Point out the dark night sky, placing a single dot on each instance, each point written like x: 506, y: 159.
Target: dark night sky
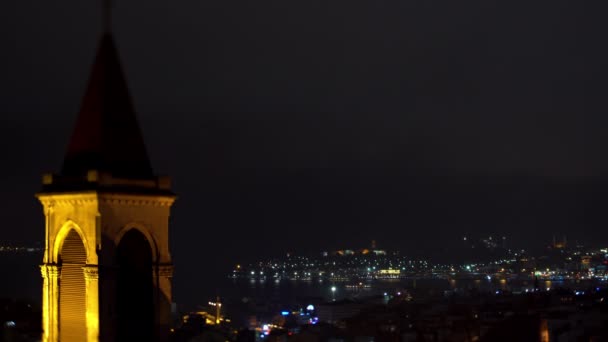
x: 309, y: 125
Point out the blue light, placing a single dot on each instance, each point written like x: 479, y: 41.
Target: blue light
x: 285, y: 313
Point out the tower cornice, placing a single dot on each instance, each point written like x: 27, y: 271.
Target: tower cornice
x: 112, y: 198
x: 137, y: 200
x: 62, y: 199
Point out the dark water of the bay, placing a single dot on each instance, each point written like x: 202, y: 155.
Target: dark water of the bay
x: 246, y: 297
x: 21, y: 278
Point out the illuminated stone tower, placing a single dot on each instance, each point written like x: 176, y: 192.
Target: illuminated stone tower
x: 107, y: 268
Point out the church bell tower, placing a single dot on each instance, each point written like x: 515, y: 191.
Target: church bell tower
x: 107, y: 268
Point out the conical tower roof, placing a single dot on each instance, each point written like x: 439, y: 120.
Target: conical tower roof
x: 107, y: 137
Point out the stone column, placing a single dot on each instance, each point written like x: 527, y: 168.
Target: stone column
x: 50, y: 302
x: 91, y: 277
x: 162, y: 275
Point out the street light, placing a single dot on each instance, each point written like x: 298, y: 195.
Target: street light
x: 333, y: 293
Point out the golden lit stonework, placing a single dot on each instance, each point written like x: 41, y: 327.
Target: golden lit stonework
x: 98, y: 221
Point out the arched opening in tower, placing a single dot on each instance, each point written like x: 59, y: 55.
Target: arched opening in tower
x: 72, y: 289
x: 135, y: 298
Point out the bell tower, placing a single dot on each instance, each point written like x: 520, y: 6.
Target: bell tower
x: 107, y: 268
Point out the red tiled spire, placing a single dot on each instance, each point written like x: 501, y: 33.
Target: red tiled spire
x: 107, y: 136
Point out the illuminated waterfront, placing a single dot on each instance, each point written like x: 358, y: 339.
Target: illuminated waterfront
x: 555, y: 263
